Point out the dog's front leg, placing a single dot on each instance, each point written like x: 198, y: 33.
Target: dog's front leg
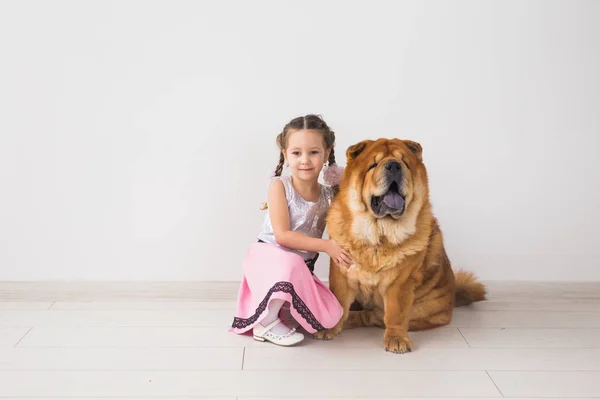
x: 398, y: 300
x: 345, y: 296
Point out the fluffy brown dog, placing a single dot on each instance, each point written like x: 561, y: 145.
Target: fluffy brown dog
x: 402, y: 276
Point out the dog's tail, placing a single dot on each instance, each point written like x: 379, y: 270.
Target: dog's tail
x: 467, y: 289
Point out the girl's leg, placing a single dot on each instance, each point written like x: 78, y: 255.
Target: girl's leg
x: 274, y: 307
x: 286, y: 316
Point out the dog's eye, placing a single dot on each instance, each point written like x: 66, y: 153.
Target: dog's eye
x: 372, y: 166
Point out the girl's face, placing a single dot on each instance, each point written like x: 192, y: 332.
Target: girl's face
x: 306, y: 154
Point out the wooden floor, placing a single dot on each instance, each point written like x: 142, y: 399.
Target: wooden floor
x: 170, y: 341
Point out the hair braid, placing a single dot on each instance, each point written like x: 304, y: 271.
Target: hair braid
x: 331, y: 159
x: 279, y: 168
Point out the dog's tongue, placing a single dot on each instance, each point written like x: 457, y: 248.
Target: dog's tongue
x: 393, y: 200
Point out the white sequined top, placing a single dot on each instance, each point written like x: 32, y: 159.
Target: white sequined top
x: 306, y: 217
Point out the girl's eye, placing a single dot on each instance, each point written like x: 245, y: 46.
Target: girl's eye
x: 314, y: 152
x: 296, y: 153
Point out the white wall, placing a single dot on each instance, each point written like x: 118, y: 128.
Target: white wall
x: 136, y: 135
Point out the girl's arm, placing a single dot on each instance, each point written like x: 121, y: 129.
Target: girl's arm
x: 284, y: 236
x: 280, y: 219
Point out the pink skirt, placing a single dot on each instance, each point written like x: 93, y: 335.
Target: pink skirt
x: 273, y: 273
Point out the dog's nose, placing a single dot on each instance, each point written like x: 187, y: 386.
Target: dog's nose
x: 393, y: 166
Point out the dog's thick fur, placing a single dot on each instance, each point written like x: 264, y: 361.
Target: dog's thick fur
x: 402, y: 277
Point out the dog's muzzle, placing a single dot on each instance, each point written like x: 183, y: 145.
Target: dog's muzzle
x: 392, y: 202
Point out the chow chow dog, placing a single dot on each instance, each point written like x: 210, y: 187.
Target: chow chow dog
x: 401, y: 279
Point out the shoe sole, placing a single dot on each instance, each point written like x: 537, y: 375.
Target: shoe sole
x: 262, y: 339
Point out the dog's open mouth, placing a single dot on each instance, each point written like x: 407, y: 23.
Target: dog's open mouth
x: 392, y: 202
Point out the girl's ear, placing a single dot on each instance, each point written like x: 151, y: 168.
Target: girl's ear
x: 327, y: 153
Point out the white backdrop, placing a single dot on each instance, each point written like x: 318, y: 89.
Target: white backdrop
x: 136, y: 135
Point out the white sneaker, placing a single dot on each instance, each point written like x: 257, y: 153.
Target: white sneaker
x: 262, y: 333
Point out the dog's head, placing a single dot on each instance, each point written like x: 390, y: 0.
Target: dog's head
x: 383, y: 177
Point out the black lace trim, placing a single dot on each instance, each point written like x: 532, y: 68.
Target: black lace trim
x: 297, y: 303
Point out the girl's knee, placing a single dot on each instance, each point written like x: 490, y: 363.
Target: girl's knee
x: 297, y: 268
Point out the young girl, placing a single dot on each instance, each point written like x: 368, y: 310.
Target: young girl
x: 278, y: 269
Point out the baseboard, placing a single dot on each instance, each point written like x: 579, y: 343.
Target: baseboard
x: 227, y: 291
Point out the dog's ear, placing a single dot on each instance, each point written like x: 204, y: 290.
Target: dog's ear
x: 415, y: 148
x: 354, y: 150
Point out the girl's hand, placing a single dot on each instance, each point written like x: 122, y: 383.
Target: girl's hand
x: 339, y: 254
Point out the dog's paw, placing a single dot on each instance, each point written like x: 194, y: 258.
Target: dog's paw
x: 397, y: 344
x: 327, y: 334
